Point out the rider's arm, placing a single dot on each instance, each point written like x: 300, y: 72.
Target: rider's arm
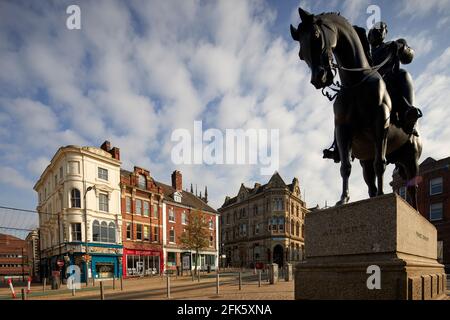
x: 405, y: 52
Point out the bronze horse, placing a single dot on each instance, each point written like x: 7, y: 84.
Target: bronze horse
x: 362, y: 107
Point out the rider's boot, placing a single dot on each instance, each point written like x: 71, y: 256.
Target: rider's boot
x: 332, y: 154
x: 412, y: 114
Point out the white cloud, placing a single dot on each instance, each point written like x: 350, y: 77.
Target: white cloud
x: 10, y: 177
x: 132, y: 78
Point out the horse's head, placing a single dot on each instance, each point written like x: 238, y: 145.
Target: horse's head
x: 317, y: 41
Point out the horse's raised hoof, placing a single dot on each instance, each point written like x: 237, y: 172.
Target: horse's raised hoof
x: 344, y: 200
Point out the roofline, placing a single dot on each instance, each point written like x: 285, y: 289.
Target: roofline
x: 73, y: 148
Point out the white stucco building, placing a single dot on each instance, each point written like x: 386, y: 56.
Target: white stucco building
x: 81, y: 184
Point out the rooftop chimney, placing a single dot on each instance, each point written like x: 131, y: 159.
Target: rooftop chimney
x: 177, y: 180
x: 115, y: 152
x: 106, y: 146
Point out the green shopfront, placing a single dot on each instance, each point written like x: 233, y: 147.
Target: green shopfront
x: 105, y: 260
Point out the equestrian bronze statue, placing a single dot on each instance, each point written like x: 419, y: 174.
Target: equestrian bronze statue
x: 363, y: 107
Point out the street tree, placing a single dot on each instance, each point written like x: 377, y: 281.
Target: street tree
x: 196, y: 235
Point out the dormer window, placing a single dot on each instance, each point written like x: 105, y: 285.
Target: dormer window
x: 177, y: 197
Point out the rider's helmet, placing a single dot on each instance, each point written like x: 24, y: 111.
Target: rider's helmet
x: 378, y: 33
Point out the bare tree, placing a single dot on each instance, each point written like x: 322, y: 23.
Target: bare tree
x: 196, y: 235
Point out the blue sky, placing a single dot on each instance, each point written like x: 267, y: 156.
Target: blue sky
x: 138, y: 70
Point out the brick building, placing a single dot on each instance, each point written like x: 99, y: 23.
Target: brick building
x: 13, y: 258
x: 177, y: 205
x: 433, y: 199
x: 142, y: 223
x: 263, y: 224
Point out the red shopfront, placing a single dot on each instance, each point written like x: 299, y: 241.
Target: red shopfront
x: 138, y: 263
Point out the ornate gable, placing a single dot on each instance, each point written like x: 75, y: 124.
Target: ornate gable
x: 276, y: 181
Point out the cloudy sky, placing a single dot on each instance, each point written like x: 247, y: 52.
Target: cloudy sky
x: 138, y: 70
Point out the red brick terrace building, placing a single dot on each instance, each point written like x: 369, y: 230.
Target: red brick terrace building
x: 433, y: 200
x: 13, y: 258
x: 141, y: 205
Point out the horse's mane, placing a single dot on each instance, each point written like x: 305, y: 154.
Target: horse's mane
x: 361, y: 32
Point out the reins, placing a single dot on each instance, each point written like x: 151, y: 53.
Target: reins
x: 334, y: 67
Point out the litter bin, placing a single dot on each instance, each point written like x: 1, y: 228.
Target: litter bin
x: 208, y: 268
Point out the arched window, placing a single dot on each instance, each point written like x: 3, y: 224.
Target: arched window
x: 297, y: 229
x: 75, y: 199
x: 292, y: 226
x: 95, y: 231
x: 112, y: 232
x: 104, y: 232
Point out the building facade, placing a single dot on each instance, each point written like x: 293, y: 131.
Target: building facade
x: 141, y: 205
x: 79, y: 209
x: 433, y: 198
x: 13, y: 258
x: 33, y: 252
x: 263, y: 224
x: 177, y: 205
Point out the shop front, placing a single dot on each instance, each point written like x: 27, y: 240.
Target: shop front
x: 139, y: 263
x: 105, y: 261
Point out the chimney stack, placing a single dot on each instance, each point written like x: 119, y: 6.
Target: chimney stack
x: 177, y: 180
x: 106, y: 146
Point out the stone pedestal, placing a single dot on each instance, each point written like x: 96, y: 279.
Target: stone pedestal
x: 288, y: 272
x: 341, y: 243
x: 273, y: 273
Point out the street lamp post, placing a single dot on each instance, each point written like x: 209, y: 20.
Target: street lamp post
x: 85, y: 233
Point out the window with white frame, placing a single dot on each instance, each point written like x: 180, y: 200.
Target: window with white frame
x: 436, y: 186
x: 183, y: 218
x: 436, y: 211
x: 155, y: 234
x: 155, y: 210
x: 104, y: 232
x: 177, y: 197
x: 139, y: 231
x: 75, y: 231
x: 171, y: 215
x: 211, y: 223
x: 103, y: 202
x: 172, y: 235
x: 103, y: 173
x: 128, y: 231
x: 147, y: 233
x: 128, y: 204
x: 138, y: 206
x: 75, y: 198
x: 146, y: 208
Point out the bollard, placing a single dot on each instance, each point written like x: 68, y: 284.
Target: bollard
x: 259, y: 278
x: 217, y: 283
x: 114, y: 282
x: 198, y: 275
x: 121, y: 283
x: 13, y: 293
x: 240, y: 281
x: 93, y: 281
x: 44, y: 283
x: 192, y: 274
x: 102, y: 295
x: 23, y: 294
x: 168, y: 286
x: 29, y: 285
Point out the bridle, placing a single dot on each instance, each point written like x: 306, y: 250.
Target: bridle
x: 334, y: 67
